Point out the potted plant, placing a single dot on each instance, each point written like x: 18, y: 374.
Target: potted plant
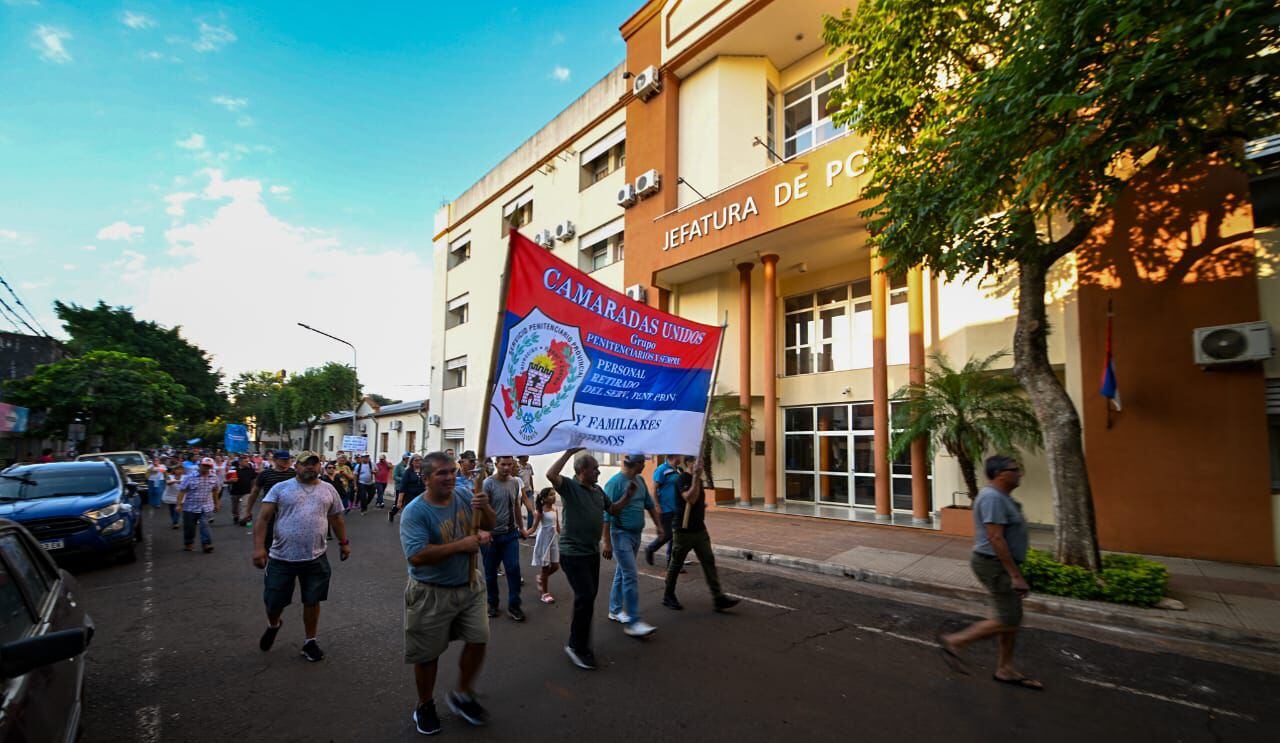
x: 968, y: 412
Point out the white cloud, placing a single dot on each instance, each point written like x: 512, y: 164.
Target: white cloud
x: 49, y: 42
x: 121, y: 231
x: 212, y: 38
x: 561, y: 74
x: 30, y: 286
x: 244, y: 121
x: 229, y: 103
x: 177, y: 203
x: 194, y: 142
x: 69, y: 267
x: 284, y: 193
x: 8, y: 235
x: 131, y: 266
x: 137, y: 21
x: 90, y: 248
x: 296, y: 269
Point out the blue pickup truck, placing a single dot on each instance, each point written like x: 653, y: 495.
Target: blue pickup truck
x: 75, y: 508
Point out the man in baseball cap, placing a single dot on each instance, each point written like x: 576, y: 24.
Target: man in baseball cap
x: 278, y: 472
x: 196, y: 501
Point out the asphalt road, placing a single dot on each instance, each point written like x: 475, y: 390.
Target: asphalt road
x: 176, y: 659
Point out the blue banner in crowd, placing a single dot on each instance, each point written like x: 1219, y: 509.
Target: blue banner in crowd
x: 236, y: 439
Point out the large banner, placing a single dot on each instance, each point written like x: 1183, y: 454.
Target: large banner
x: 236, y: 438
x: 580, y: 364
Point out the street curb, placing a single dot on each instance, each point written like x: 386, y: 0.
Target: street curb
x: 1086, y: 611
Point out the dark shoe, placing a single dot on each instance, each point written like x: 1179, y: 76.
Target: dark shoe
x: 188, y: 548
x: 426, y: 719
x: 391, y: 517
x: 208, y: 548
x: 311, y: 651
x: 493, y: 612
x: 269, y: 637
x: 671, y: 602
x: 467, y: 708
x: 515, y: 613
x: 648, y: 556
x: 723, y: 603
x: 584, y: 659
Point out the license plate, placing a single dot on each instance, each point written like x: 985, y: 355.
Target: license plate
x: 53, y: 544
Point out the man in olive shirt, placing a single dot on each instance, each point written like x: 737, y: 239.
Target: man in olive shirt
x: 690, y: 533
x: 584, y: 508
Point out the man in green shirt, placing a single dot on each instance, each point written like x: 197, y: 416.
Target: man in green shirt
x: 584, y: 507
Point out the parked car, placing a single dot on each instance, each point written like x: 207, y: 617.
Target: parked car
x: 134, y: 463
x: 74, y: 508
x: 42, y: 623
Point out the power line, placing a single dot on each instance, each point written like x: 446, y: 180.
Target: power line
x: 15, y: 314
x: 23, y: 305
x: 6, y: 316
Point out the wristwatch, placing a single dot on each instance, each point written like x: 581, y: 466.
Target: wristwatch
x: 345, y: 542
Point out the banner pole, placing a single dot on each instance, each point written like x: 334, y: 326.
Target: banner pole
x: 706, y: 416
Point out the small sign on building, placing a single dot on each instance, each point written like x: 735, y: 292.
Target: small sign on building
x: 355, y: 444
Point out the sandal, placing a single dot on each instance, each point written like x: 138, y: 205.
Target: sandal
x: 951, y: 657
x: 1022, y: 682
x: 548, y: 598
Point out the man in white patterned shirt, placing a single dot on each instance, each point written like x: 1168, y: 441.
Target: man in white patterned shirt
x: 196, y: 501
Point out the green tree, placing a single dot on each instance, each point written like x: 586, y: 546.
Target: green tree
x: 317, y: 391
x: 126, y: 399
x: 999, y: 133
x: 256, y: 396
x: 725, y: 427
x: 382, y: 400
x: 106, y: 328
x: 967, y: 412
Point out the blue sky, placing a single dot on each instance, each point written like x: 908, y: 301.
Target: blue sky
x: 235, y: 168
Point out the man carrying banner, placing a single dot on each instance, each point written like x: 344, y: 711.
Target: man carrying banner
x: 584, y: 507
x: 623, y: 540
x: 691, y: 534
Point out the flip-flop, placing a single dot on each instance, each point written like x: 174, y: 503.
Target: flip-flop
x: 1021, y: 682
x: 951, y: 657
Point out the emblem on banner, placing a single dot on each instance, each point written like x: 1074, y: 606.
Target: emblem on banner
x: 540, y: 376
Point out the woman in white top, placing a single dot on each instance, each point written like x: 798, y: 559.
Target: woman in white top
x: 155, y: 481
x: 546, y: 546
x: 170, y: 497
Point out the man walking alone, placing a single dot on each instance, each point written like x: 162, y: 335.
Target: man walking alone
x: 302, y: 511
x: 443, y: 599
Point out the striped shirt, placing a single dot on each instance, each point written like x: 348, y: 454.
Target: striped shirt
x: 199, y: 491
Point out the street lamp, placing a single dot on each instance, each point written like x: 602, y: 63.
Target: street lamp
x: 355, y: 388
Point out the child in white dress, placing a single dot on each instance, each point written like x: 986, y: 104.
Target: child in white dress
x: 546, y: 545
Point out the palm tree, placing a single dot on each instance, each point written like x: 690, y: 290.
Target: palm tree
x: 968, y: 412
x: 724, y: 433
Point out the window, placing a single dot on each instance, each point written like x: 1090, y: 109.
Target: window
x: 328, y: 444
x: 601, y: 247
x: 411, y: 441
x: 459, y: 251
x: 806, y: 120
x: 15, y: 617
x: 455, y: 373
x: 771, y: 121
x: 829, y: 330
x: 455, y: 438
x: 829, y: 457
x: 602, y: 158
x: 22, y: 563
x: 457, y: 311
x: 385, y: 443
x: 518, y: 212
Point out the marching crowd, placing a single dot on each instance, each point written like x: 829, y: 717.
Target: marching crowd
x: 461, y: 523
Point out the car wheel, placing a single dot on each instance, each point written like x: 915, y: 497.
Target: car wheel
x: 137, y: 531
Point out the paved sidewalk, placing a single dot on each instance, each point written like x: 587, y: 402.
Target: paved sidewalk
x: 1224, y: 602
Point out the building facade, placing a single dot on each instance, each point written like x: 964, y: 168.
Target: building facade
x: 755, y: 224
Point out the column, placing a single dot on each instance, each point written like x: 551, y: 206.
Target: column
x: 880, y: 385
x: 770, y: 353
x: 915, y: 345
x: 744, y: 381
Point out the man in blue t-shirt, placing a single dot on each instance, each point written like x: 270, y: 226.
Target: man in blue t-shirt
x: 622, y: 541
x: 666, y: 479
x: 441, y: 533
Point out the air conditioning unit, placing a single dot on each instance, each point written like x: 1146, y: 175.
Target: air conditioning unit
x: 433, y: 420
x: 564, y: 230
x: 364, y: 427
x: 397, y: 425
x: 1233, y: 344
x: 636, y: 292
x: 647, y: 84
x: 626, y: 195
x: 545, y: 238
x: 648, y: 183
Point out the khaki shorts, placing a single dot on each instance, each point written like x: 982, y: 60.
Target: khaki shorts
x: 434, y: 616
x: 1006, y: 602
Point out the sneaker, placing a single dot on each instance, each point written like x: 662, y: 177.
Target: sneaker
x: 493, y: 612
x: 269, y: 637
x: 621, y: 617
x: 467, y: 708
x: 426, y: 719
x: 515, y: 613
x: 639, y: 628
x: 648, y: 556
x: 671, y: 602
x: 585, y: 659
x: 311, y: 651
x: 725, y: 602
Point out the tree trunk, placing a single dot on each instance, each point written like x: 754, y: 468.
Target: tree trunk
x: 708, y: 477
x: 1075, y: 531
x: 967, y: 471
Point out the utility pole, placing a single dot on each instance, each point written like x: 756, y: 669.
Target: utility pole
x: 355, y: 387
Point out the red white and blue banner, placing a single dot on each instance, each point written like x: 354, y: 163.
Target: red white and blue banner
x: 580, y: 364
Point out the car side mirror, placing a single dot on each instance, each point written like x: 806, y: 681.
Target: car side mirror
x: 23, y: 656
